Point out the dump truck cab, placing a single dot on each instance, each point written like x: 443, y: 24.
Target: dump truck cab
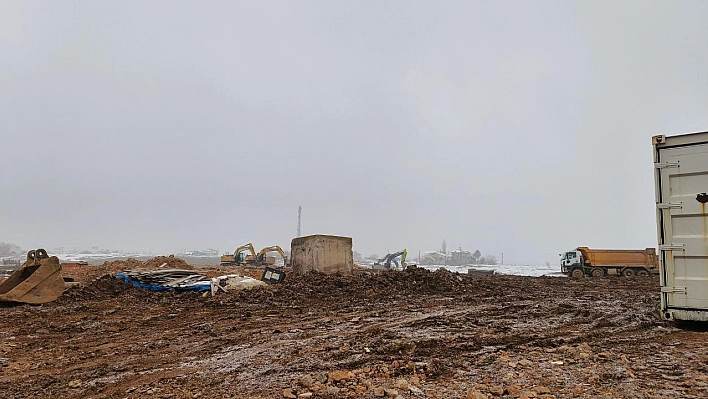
x: 572, y: 261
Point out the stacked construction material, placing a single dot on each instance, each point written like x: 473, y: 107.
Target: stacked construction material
x: 233, y: 282
x: 169, y: 279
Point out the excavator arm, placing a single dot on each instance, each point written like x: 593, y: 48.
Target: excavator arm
x: 236, y: 258
x: 386, y: 260
x: 260, y: 257
x: 391, y: 257
x: 242, y: 248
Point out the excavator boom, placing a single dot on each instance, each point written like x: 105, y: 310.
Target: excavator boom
x: 235, y: 259
x: 385, y: 262
x: 38, y: 280
x: 260, y: 257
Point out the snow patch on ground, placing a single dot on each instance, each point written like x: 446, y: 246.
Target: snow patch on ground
x: 517, y: 270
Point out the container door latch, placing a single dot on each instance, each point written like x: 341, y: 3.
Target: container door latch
x: 674, y: 290
x: 671, y: 247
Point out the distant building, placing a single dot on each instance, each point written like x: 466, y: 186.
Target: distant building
x: 202, y: 253
x: 435, y: 258
x: 459, y: 257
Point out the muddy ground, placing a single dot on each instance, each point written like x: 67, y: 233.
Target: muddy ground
x: 396, y: 334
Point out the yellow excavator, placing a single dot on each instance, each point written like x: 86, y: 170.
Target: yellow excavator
x: 261, y: 256
x: 38, y: 280
x: 239, y: 257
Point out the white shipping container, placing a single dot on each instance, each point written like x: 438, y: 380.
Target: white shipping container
x: 681, y: 185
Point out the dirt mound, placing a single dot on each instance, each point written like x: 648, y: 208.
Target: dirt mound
x: 371, y: 283
x: 120, y: 265
x: 103, y: 287
x: 422, y: 281
x: 95, y: 278
x: 171, y: 261
x: 110, y: 287
x: 86, y: 274
x: 316, y: 287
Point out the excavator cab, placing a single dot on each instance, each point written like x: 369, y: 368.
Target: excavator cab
x: 38, y: 280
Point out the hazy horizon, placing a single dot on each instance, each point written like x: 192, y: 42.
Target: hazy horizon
x: 509, y: 126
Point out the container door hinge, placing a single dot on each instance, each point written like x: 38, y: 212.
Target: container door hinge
x: 671, y: 247
x: 674, y: 290
x: 670, y: 206
x: 662, y: 165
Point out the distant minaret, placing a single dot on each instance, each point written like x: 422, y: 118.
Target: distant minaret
x: 299, y: 219
x: 444, y: 248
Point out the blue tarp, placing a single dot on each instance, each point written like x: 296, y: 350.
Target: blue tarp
x: 200, y: 286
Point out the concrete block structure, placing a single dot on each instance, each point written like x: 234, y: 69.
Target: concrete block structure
x: 322, y: 253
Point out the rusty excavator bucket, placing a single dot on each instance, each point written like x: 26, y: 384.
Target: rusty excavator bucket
x: 38, y: 280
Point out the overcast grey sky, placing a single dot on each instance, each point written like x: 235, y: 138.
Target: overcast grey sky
x: 520, y: 127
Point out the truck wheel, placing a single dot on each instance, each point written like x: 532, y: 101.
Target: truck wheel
x: 642, y: 273
x: 577, y: 273
x: 597, y: 273
x: 628, y: 272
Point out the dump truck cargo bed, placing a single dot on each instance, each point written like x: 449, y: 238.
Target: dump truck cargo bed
x: 620, y: 257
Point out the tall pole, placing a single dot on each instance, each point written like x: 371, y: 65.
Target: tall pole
x: 299, y: 219
x: 502, y: 258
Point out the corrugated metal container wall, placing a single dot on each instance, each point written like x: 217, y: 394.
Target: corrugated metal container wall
x: 681, y: 180
x: 322, y: 253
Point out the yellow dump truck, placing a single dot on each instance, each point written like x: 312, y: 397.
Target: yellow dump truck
x: 584, y: 261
